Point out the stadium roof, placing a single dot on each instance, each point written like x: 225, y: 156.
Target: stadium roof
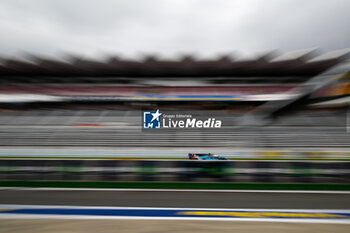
x: 295, y: 63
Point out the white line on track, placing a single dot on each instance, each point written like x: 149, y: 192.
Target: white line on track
x: 36, y: 216
x: 177, y: 190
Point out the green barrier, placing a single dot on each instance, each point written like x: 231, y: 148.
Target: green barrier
x: 176, y: 185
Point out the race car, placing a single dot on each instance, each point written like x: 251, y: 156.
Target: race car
x: 207, y: 156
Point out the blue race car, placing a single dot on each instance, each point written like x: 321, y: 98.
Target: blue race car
x: 207, y: 156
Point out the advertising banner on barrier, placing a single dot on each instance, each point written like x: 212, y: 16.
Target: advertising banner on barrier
x: 193, y: 171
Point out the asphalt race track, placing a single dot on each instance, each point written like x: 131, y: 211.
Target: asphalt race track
x: 150, y: 226
x: 176, y: 199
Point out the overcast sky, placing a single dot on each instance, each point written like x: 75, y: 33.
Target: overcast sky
x: 168, y: 27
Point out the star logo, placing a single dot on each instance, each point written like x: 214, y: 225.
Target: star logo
x: 156, y: 115
x: 152, y: 120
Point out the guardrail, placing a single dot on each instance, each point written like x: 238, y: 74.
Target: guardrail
x: 171, y: 153
x: 176, y: 171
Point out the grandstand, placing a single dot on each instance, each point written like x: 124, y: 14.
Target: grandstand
x: 122, y: 128
x: 99, y: 103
